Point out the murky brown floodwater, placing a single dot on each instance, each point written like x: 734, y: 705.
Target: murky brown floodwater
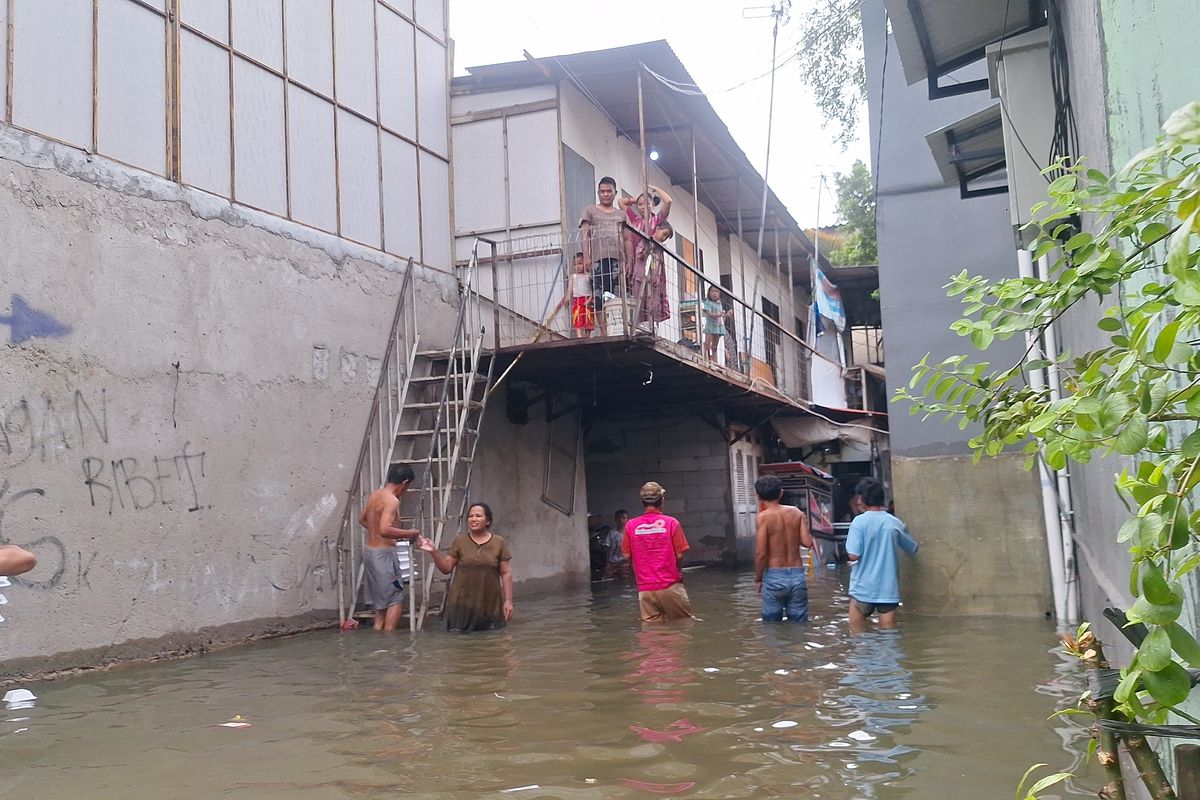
x: 575, y: 699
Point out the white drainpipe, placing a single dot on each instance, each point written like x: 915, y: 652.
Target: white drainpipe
x: 1066, y: 511
x: 1050, y: 510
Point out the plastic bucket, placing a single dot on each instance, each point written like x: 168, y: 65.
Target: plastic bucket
x: 613, y: 316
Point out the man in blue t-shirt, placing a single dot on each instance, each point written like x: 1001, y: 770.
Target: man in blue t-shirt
x: 871, y: 547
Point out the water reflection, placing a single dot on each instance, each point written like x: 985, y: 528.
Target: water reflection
x: 576, y: 700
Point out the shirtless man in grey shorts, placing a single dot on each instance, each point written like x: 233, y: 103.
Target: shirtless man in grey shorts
x: 383, y: 586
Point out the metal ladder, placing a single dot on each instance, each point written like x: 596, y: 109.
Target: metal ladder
x: 426, y: 413
x: 459, y: 380
x: 379, y: 441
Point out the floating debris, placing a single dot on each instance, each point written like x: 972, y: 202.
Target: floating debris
x: 19, y: 698
x: 520, y: 789
x: 785, y: 723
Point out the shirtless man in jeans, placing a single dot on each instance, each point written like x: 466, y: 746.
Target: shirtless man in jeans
x: 778, y: 568
x: 383, y: 582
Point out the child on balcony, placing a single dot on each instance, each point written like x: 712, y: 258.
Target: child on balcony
x: 714, y: 322
x: 579, y: 298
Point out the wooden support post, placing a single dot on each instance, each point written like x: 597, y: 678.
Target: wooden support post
x: 1187, y: 771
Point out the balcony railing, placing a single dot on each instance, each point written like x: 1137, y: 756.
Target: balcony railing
x: 655, y: 295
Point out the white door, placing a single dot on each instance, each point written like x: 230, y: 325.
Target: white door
x: 742, y: 470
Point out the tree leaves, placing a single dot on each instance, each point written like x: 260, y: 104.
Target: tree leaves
x: 1136, y: 393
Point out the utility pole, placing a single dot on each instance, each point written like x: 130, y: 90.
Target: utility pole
x: 781, y: 12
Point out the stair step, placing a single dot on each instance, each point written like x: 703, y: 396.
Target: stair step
x: 440, y: 378
x: 463, y: 459
x: 471, y: 404
x: 431, y: 431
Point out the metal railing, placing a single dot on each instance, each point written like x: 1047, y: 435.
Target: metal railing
x: 655, y: 294
x: 375, y: 452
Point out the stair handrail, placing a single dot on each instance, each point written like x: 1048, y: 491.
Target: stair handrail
x: 364, y: 451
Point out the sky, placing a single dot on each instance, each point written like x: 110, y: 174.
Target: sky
x: 720, y: 48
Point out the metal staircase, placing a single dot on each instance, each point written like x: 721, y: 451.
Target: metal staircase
x: 427, y: 413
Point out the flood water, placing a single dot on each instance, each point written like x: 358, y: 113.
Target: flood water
x: 574, y: 700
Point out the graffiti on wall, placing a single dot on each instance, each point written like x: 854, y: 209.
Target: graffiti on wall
x: 26, y: 322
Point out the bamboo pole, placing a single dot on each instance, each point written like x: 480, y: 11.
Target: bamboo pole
x: 1108, y: 754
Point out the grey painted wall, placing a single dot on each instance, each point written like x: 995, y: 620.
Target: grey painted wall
x: 687, y: 456
x: 926, y: 234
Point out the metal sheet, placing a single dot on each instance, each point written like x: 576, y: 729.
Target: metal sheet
x: 131, y: 97
x: 310, y: 44
x: 52, y: 69
x: 431, y: 93
x: 204, y: 89
x: 953, y: 30
x: 401, y: 215
x: 258, y: 30
x: 258, y: 138
x: 533, y: 167
x: 431, y: 15
x: 354, y: 28
x: 397, y: 85
x: 313, y: 164
x: 479, y: 153
x: 435, y: 211
x: 358, y: 181
x: 208, y: 16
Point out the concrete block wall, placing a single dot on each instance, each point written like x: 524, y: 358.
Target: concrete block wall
x: 549, y: 546
x: 983, y: 544
x: 687, y: 456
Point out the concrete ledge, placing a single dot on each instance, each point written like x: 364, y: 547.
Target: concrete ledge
x: 171, y: 646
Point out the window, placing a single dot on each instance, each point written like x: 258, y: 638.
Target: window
x: 688, y: 287
x: 771, y: 332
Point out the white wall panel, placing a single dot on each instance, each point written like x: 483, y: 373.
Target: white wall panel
x: 310, y: 43
x: 533, y: 167
x: 401, y: 216
x: 3, y: 52
x: 52, y: 69
x: 435, y: 211
x: 354, y: 27
x: 397, y: 83
x: 405, y: 7
x: 204, y: 111
x: 132, y: 92
x: 479, y: 160
x: 258, y: 30
x: 358, y: 163
x: 208, y: 16
x: 431, y: 94
x: 259, y: 162
x: 431, y: 15
x: 313, y: 175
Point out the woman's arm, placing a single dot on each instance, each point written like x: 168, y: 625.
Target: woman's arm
x: 506, y: 582
x: 665, y: 208
x: 444, y: 563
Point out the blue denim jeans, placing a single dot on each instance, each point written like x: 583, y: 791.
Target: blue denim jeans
x: 784, y: 589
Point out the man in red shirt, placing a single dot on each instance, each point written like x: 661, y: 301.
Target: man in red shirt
x: 655, y: 544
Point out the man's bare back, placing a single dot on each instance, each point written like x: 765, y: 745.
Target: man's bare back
x: 379, y: 518
x: 782, y: 531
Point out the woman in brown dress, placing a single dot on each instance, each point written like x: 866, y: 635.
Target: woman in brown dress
x: 481, y: 591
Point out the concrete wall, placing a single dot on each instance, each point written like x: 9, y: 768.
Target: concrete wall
x: 983, y: 547
x: 550, y: 547
x: 687, y: 456
x: 177, y: 458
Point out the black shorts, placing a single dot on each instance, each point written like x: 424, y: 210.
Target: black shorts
x: 867, y: 609
x: 604, y: 279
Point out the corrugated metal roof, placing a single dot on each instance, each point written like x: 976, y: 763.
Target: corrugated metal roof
x: 936, y: 37
x: 728, y: 182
